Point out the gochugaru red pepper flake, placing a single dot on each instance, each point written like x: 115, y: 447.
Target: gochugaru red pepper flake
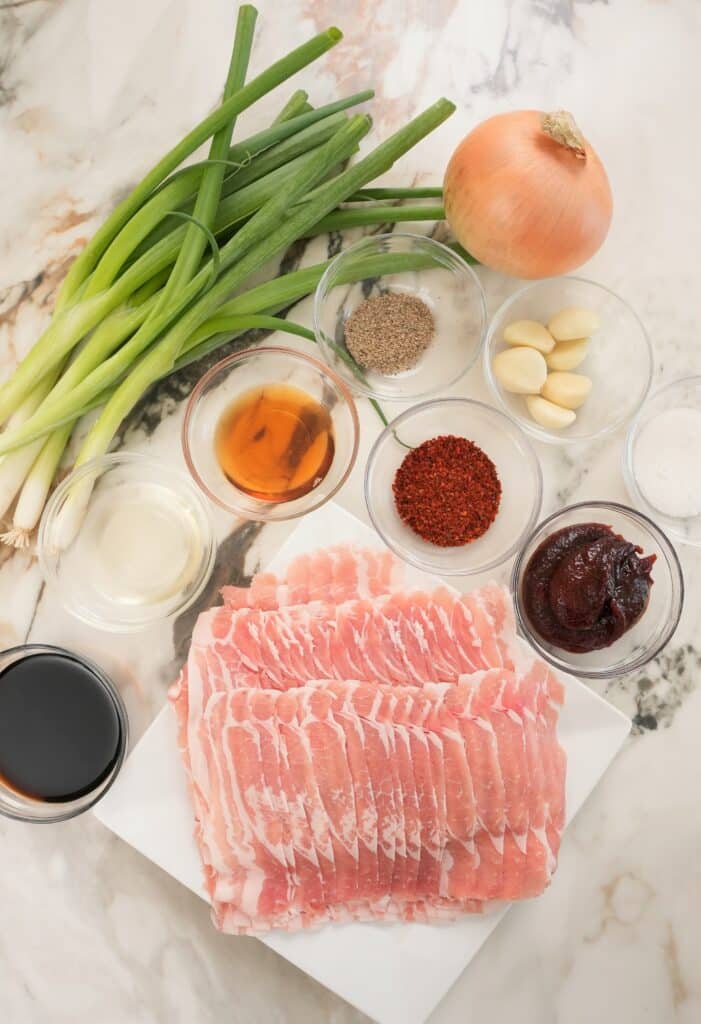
x: 448, y: 491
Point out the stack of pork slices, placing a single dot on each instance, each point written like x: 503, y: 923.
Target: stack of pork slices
x: 359, y: 751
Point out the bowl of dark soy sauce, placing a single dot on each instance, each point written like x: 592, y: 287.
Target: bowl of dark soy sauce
x: 63, y: 733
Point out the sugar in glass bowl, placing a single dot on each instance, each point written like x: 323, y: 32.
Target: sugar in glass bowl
x: 243, y: 372
x: 661, y: 460
x: 499, y: 438
x: 425, y: 269
x: 653, y: 630
x: 619, y: 359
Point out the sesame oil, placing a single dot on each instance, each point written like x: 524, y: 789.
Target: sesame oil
x: 275, y: 442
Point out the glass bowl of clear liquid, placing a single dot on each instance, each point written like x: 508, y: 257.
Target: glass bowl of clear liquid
x: 126, y: 541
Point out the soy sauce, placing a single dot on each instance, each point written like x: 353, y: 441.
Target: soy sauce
x: 60, y: 730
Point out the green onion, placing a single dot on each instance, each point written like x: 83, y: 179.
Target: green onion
x: 35, y: 489
x: 145, y: 297
x: 55, y: 344
x: 210, y: 188
x: 361, y: 216
x: 58, y: 408
x: 420, y: 192
x: 325, y: 197
x: 296, y: 104
x: 147, y: 222
x: 252, y: 255
x: 240, y: 101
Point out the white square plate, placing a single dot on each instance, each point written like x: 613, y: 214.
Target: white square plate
x: 396, y: 974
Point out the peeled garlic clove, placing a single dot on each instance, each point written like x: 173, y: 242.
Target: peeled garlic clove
x: 530, y: 333
x: 520, y: 370
x: 567, y: 389
x: 567, y: 355
x: 573, y: 323
x: 549, y: 415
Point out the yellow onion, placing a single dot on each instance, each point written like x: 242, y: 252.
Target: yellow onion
x: 526, y: 194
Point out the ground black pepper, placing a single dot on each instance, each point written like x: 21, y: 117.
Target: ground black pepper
x: 389, y: 333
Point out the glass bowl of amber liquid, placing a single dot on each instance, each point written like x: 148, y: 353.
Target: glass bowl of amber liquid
x: 414, y: 267
x: 270, y: 433
x: 650, y: 633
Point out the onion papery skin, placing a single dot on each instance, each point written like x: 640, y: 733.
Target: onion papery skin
x: 521, y: 202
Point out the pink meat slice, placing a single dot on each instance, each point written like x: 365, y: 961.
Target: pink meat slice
x: 384, y: 641
x: 495, y: 700
x: 537, y: 874
x: 485, y: 768
x: 554, y: 760
x: 303, y: 781
x: 412, y: 816
x: 384, y: 712
x: 364, y: 701
x: 460, y: 861
x: 258, y: 709
x: 295, y: 631
x: 412, y: 711
x: 366, y: 812
x: 339, y: 573
x: 257, y: 882
x: 330, y: 762
x: 286, y: 847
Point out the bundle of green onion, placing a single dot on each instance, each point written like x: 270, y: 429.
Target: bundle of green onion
x: 152, y: 291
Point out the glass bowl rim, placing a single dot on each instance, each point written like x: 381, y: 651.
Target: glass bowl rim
x: 503, y: 419
x: 676, y: 574
x: 627, y: 461
x: 225, y: 364
x: 458, y: 265
x: 98, y: 466
x: 91, y: 799
x: 530, y: 426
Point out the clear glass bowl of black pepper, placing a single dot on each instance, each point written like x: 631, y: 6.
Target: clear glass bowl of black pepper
x: 399, y: 316
x: 650, y: 631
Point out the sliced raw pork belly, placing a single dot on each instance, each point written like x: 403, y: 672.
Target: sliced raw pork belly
x: 431, y: 785
x: 291, y: 850
x: 397, y: 638
x: 336, y: 574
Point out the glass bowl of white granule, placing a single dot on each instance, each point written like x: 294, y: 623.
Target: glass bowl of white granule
x: 661, y: 461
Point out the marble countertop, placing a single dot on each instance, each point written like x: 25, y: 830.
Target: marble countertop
x: 91, y: 92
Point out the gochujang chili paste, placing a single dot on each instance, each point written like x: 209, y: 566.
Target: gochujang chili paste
x: 447, y: 490
x: 585, y: 586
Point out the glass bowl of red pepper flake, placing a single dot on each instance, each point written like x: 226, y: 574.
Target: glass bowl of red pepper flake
x: 453, y: 486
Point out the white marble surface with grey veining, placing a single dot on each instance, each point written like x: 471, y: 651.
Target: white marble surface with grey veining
x: 91, y: 92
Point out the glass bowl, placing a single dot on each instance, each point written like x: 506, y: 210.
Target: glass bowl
x: 21, y: 807
x: 679, y: 396
x: 654, y: 629
x: 424, y: 268
x: 241, y: 372
x: 619, y: 360
x: 508, y: 448
x: 126, y: 541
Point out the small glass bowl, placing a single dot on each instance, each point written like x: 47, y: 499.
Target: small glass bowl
x: 654, y: 629
x: 619, y: 360
x: 126, y: 541
x: 508, y: 448
x: 255, y: 367
x: 679, y: 395
x: 430, y: 271
x: 23, y: 808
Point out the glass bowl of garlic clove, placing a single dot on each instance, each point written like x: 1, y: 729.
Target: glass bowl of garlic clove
x: 568, y: 359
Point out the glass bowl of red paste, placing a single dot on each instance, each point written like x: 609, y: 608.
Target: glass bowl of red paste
x: 453, y: 486
x: 598, y: 589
